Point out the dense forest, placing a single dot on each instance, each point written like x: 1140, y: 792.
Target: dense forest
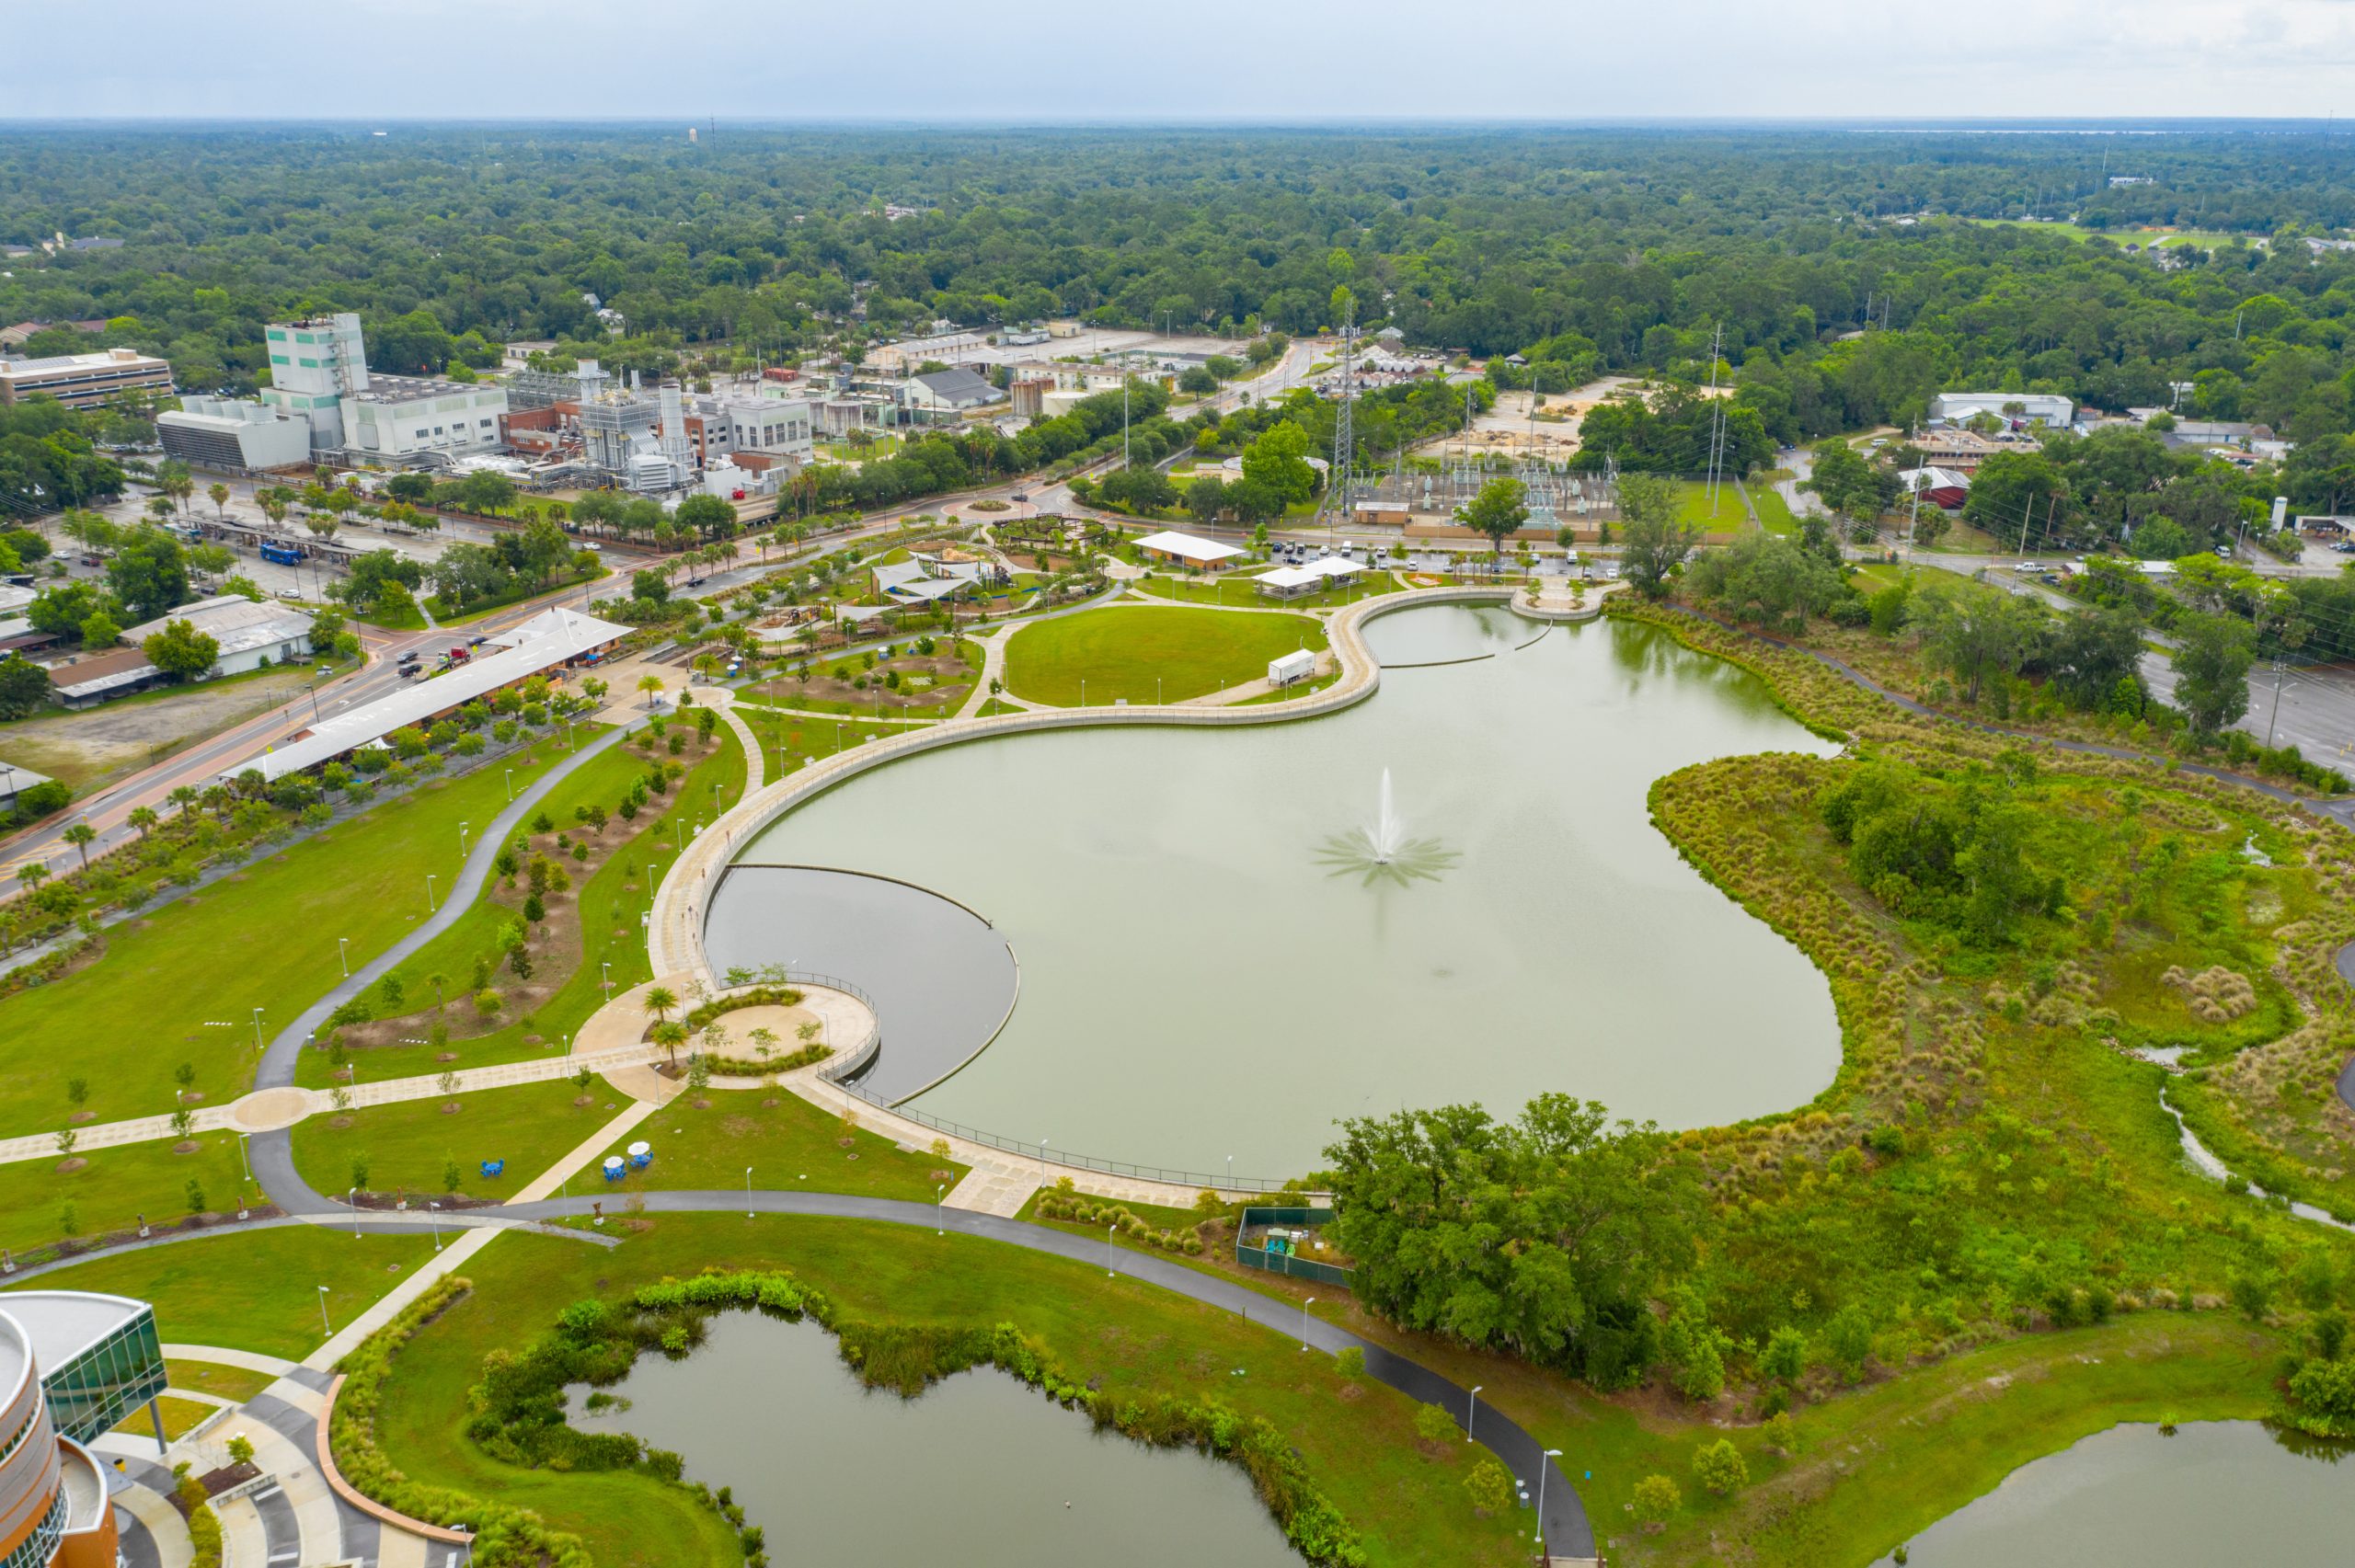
x: 1852, y: 273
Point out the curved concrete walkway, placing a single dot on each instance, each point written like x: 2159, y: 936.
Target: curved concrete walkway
x: 276, y: 1069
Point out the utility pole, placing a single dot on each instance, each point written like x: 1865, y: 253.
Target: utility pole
x: 1344, y: 433
x: 1716, y: 417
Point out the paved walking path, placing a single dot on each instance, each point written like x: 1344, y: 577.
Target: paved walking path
x: 278, y: 1061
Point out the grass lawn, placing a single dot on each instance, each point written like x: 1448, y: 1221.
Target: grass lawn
x: 217, y: 1379
x: 115, y: 1186
x: 1237, y: 590
x: 610, y: 902
x: 255, y: 1291
x: 799, y: 739
x: 1775, y: 513
x: 790, y: 1144
x: 406, y: 1145
x: 1140, y: 654
x: 1357, y: 1439
x: 181, y: 985
x: 1692, y: 507
x: 180, y: 1416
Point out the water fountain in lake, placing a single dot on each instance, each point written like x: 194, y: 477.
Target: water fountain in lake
x: 1381, y: 851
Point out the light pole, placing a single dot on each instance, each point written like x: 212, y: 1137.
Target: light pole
x: 343, y: 954
x: 429, y: 892
x: 462, y: 840
x: 1471, y: 1408
x: 1230, y: 1172
x: 257, y: 1045
x: 1043, y: 1161
x: 748, y: 1192
x: 1541, y: 1468
x: 605, y: 980
x: 510, y: 786
x: 1303, y: 1320
x: 243, y: 1164
x: 354, y: 1201
x: 940, y: 1208
x: 325, y: 1328
x: 433, y: 1216
x: 1110, y: 1232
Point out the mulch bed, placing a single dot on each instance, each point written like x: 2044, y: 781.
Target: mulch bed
x: 385, y: 1203
x: 954, y: 682
x: 80, y: 1244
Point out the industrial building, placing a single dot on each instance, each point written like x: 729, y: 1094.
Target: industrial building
x: 547, y: 645
x: 72, y: 1365
x: 222, y: 432
x: 950, y: 392
x: 402, y: 418
x: 315, y: 365
x: 84, y: 381
x: 248, y: 633
x: 2034, y: 407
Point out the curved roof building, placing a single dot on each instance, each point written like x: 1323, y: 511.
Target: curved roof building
x: 72, y: 1366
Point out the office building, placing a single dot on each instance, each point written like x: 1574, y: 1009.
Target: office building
x: 84, y: 381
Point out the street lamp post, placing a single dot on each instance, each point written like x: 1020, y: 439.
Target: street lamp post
x: 1471, y: 1408
x: 1541, y: 1468
x: 354, y: 1201
x: 428, y: 893
x: 748, y: 1192
x: 258, y: 1041
x: 510, y: 786
x: 433, y: 1218
x: 325, y: 1328
x: 1110, y: 1232
x: 940, y: 1208
x: 1043, y: 1161
x: 343, y: 954
x: 1303, y: 1320
x: 462, y: 840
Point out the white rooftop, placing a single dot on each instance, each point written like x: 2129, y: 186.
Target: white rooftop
x: 1290, y: 577
x: 232, y: 620
x: 545, y: 640
x: 1191, y: 546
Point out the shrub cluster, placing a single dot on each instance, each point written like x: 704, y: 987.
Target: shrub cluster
x: 751, y: 996
x: 1087, y: 1211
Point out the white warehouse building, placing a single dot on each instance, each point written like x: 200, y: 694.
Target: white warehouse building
x: 2048, y: 408
x: 405, y: 418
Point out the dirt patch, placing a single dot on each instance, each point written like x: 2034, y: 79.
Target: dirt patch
x: 67, y: 1167
x: 102, y: 743
x: 187, y: 1146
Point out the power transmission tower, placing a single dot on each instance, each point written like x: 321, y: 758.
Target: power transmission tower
x: 1344, y: 430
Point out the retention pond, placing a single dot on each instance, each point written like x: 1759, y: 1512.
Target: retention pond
x: 980, y: 1471
x: 1203, y: 976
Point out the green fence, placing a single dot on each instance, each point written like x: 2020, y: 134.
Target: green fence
x: 1288, y: 1262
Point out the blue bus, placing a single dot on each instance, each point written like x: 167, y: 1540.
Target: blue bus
x: 282, y: 554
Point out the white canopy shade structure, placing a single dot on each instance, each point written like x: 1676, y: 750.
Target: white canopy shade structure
x: 612, y: 1162
x: 641, y: 1146
x: 1286, y: 581
x: 1189, y: 549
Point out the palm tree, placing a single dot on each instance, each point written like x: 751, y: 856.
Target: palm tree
x: 658, y: 1001
x: 671, y: 1037
x: 272, y: 500
x: 651, y: 685
x: 142, y: 818
x: 174, y: 481
x: 32, y: 874
x: 184, y: 797
x: 79, y: 835
x: 220, y: 494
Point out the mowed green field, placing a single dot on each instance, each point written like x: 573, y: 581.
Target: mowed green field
x: 182, y: 984
x: 1151, y: 654
x: 254, y: 1289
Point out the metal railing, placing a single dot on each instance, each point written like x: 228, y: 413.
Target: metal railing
x: 1288, y: 1262
x: 1056, y: 1157
x: 846, y: 1062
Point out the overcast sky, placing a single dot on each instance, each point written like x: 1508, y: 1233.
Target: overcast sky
x: 1253, y: 60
